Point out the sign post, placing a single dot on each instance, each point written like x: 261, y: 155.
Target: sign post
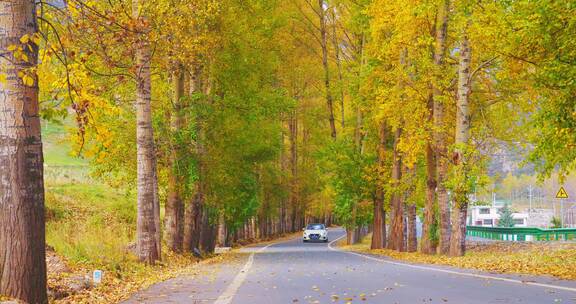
x: 97, y: 277
x: 562, y: 195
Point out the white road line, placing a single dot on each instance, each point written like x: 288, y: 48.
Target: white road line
x: 228, y: 294
x: 466, y: 274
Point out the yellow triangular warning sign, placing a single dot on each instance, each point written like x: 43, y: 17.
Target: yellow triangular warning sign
x: 562, y: 193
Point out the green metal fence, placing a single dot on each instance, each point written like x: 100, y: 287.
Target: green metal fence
x: 522, y: 233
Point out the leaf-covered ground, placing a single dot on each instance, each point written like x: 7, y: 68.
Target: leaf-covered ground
x: 543, y: 258
x: 118, y: 286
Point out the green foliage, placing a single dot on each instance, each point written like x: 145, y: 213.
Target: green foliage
x: 556, y: 222
x: 551, y: 30
x: 506, y: 219
x: 353, y: 190
x: 468, y: 175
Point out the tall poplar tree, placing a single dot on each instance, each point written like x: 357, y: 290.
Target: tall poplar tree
x: 22, y: 223
x: 174, y: 215
x: 148, y: 233
x: 460, y: 201
x: 440, y: 125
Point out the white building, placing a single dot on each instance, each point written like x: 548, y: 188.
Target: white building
x: 488, y: 216
x: 541, y: 218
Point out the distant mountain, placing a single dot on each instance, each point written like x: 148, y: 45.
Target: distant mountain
x: 506, y: 159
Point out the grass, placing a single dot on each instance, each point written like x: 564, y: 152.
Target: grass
x: 88, y: 223
x: 544, y: 258
x: 57, y: 151
x: 91, y: 226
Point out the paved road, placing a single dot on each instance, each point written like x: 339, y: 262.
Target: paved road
x: 296, y: 272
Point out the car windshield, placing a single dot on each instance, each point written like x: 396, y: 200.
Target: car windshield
x: 315, y: 227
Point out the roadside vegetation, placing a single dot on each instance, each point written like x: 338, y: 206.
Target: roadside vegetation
x: 91, y: 225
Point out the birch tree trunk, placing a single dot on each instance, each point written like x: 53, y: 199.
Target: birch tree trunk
x: 458, y: 241
x: 327, y: 87
x: 147, y: 233
x: 439, y: 130
x: 174, y: 209
x: 339, y: 66
x: 22, y: 223
x: 379, y: 224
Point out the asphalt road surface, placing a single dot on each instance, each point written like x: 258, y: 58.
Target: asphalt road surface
x: 297, y: 272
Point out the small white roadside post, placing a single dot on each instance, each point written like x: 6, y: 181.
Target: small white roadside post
x: 97, y: 277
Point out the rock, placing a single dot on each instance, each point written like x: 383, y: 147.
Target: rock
x: 68, y: 286
x: 54, y: 263
x: 79, y: 283
x: 57, y: 293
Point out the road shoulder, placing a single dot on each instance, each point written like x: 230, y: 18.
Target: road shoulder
x: 441, y: 264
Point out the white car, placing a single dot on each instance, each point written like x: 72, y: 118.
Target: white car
x: 315, y: 232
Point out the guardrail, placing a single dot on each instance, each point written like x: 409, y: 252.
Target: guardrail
x: 522, y: 233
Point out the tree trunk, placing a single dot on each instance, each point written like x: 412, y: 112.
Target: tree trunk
x: 208, y: 232
x: 22, y: 223
x: 174, y: 209
x: 339, y: 66
x: 193, y: 221
x: 193, y: 214
x: 351, y: 233
x: 379, y: 224
x: 221, y: 231
x: 260, y: 225
x: 412, y: 239
x: 428, y: 242
x: 350, y: 236
x: 396, y: 239
x: 205, y: 232
x: 440, y: 132
x: 157, y: 222
x: 147, y: 233
x: 187, y: 244
x: 327, y: 87
x: 282, y: 226
x: 358, y: 234
x: 294, y: 192
x: 458, y: 241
